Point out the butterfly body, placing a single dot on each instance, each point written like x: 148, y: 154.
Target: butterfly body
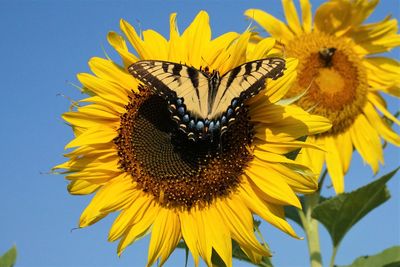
x: 204, y: 104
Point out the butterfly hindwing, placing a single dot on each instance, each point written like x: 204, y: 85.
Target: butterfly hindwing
x: 172, y: 80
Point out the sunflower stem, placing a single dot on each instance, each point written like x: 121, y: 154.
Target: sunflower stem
x: 334, y: 251
x: 311, y: 227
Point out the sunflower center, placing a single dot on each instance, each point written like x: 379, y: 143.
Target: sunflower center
x: 178, y: 172
x: 333, y: 75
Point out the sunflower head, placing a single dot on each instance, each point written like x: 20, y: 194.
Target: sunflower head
x: 130, y: 152
x: 340, y: 77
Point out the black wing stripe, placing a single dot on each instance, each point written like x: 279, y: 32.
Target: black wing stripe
x: 194, y: 78
x: 149, y: 80
x: 248, y: 67
x: 232, y: 76
x: 176, y: 70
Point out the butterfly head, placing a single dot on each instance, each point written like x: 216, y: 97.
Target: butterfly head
x: 215, y: 78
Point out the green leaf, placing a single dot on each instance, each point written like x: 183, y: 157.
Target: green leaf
x: 8, y: 259
x: 293, y: 214
x: 238, y: 253
x: 388, y: 258
x: 340, y: 213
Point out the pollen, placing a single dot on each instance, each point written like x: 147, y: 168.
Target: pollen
x: 179, y: 172
x: 334, y: 75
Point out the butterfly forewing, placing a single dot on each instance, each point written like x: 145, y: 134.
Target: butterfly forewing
x: 245, y: 81
x: 172, y: 80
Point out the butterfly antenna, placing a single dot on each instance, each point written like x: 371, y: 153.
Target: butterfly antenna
x: 76, y: 86
x: 208, y: 64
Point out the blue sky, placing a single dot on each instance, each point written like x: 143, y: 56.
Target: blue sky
x: 45, y: 44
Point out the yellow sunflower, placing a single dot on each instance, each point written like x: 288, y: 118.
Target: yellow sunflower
x: 127, y: 151
x: 341, y: 77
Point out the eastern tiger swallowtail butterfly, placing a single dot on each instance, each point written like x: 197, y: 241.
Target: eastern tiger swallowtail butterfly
x: 204, y: 104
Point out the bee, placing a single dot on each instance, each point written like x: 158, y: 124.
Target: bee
x: 326, y: 55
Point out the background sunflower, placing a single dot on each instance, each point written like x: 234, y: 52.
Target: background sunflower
x: 342, y: 68
x: 44, y: 45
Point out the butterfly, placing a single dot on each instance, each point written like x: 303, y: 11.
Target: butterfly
x: 204, y: 104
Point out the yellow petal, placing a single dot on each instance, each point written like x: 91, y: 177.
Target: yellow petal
x: 115, y: 74
x: 271, y: 213
x: 112, y: 196
x: 277, y: 89
x: 334, y: 165
x: 377, y: 37
x: 156, y: 44
x: 333, y: 17
x: 140, y: 229
x: 282, y: 147
x: 217, y: 53
x: 104, y: 89
x: 177, y: 49
x: 298, y: 182
x: 275, y: 27
x: 291, y: 16
x: 380, y: 104
x: 380, y: 125
x: 191, y: 224
x: 80, y: 187
x: 119, y: 44
x: 261, y: 49
x: 218, y: 234
x: 240, y: 223
x: 115, y: 107
x: 383, y: 74
x: 196, y: 37
x: 345, y: 149
x: 367, y: 142
x: 306, y: 16
x: 237, y: 52
x: 140, y: 47
x: 312, y: 158
x: 271, y: 185
x: 141, y: 203
x: 95, y: 135
x: 165, y: 236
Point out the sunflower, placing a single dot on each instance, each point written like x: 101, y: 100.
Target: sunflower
x: 341, y: 77
x: 127, y: 151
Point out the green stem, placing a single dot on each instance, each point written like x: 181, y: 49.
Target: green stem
x: 334, y: 251
x: 310, y: 225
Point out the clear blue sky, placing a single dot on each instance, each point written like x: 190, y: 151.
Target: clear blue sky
x: 44, y: 45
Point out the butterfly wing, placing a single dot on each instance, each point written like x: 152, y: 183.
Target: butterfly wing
x: 172, y: 81
x: 245, y: 81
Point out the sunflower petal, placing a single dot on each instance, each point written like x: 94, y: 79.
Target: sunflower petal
x: 165, y: 236
x: 291, y: 16
x: 334, y: 165
x: 306, y: 16
x: 366, y: 141
x: 274, y: 26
